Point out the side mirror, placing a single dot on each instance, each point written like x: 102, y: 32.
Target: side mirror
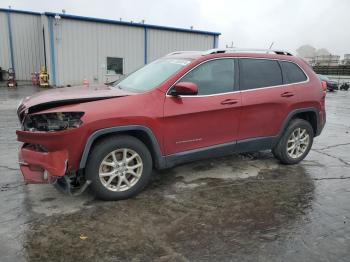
x: 185, y: 89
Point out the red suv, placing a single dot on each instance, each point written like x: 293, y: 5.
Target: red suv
x: 183, y: 107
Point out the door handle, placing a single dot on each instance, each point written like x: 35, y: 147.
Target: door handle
x: 229, y: 102
x: 287, y: 94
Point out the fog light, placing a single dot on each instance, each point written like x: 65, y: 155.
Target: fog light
x: 46, y: 175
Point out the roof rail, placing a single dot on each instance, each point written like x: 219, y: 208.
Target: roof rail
x: 245, y: 50
x: 184, y: 52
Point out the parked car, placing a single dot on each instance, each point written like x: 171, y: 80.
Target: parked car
x: 183, y: 107
x: 331, y: 85
x: 345, y: 86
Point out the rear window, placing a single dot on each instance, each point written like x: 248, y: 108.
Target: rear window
x: 292, y: 73
x: 257, y: 73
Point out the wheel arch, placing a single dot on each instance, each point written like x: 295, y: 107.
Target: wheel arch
x: 144, y: 134
x: 309, y: 114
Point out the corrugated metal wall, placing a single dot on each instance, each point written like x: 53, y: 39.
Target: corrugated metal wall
x: 82, y: 49
x: 77, y: 47
x: 5, y: 62
x: 120, y: 41
x: 162, y: 42
x: 27, y: 43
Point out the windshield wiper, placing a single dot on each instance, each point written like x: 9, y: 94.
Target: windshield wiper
x: 111, y: 83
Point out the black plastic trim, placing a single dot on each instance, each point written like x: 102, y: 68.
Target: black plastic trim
x: 248, y: 145
x: 159, y: 160
x: 298, y: 111
x: 236, y: 75
x: 200, y: 153
x: 256, y: 144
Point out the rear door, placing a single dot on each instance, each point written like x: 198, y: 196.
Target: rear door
x: 209, y: 118
x: 266, y: 100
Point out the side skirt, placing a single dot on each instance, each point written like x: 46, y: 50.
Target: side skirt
x: 248, y: 145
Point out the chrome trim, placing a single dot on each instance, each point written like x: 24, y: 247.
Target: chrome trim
x: 219, y: 94
x: 239, y: 91
x: 245, y: 50
x: 184, y: 52
x: 189, y: 141
x: 233, y: 50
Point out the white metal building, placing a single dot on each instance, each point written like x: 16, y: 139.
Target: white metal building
x: 76, y: 48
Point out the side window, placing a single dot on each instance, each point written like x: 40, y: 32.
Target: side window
x: 257, y: 73
x: 213, y: 77
x: 292, y: 73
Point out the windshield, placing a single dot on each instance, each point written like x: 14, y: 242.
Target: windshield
x: 151, y: 75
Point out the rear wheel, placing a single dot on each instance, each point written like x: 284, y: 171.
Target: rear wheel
x: 119, y: 168
x: 295, y: 143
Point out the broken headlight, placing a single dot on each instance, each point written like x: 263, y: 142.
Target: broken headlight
x: 52, y: 121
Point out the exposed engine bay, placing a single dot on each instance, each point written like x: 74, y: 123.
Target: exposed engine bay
x: 52, y: 121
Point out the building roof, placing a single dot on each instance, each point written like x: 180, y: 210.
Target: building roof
x: 109, y: 21
x: 19, y: 11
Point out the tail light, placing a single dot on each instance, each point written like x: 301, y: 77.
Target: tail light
x: 324, y: 86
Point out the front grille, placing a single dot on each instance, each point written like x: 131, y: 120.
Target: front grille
x: 35, y: 147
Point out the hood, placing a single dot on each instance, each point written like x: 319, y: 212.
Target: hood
x: 67, y: 96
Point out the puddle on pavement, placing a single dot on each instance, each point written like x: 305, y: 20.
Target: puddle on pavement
x: 177, y: 219
x: 238, y: 208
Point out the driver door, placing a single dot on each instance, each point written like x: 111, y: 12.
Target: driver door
x: 208, y: 118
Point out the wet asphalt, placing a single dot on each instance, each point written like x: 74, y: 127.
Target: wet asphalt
x: 244, y: 207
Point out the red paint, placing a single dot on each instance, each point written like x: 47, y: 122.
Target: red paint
x: 72, y: 93
x: 178, y: 123
x: 264, y: 110
x: 205, y: 120
x: 34, y: 163
x: 186, y: 88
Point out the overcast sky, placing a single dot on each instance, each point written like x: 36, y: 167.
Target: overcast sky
x: 248, y: 23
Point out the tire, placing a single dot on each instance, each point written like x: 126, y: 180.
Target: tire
x: 300, y: 149
x: 106, y: 158
x: 275, y: 153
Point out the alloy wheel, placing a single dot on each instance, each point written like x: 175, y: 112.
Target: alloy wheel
x: 121, y: 169
x: 298, y: 143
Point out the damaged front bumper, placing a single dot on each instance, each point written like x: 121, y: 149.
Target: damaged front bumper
x: 52, y: 158
x: 39, y: 167
x: 49, y: 168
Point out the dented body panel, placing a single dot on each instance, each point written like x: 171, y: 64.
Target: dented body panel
x: 42, y: 167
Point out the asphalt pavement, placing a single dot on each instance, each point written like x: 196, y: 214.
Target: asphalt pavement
x: 244, y: 207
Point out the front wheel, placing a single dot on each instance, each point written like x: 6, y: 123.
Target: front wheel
x: 119, y: 168
x: 295, y: 143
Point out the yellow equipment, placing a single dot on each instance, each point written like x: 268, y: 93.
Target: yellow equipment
x: 43, y: 77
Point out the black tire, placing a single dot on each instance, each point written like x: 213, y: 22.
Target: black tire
x: 280, y: 150
x: 101, y: 150
x: 275, y: 153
